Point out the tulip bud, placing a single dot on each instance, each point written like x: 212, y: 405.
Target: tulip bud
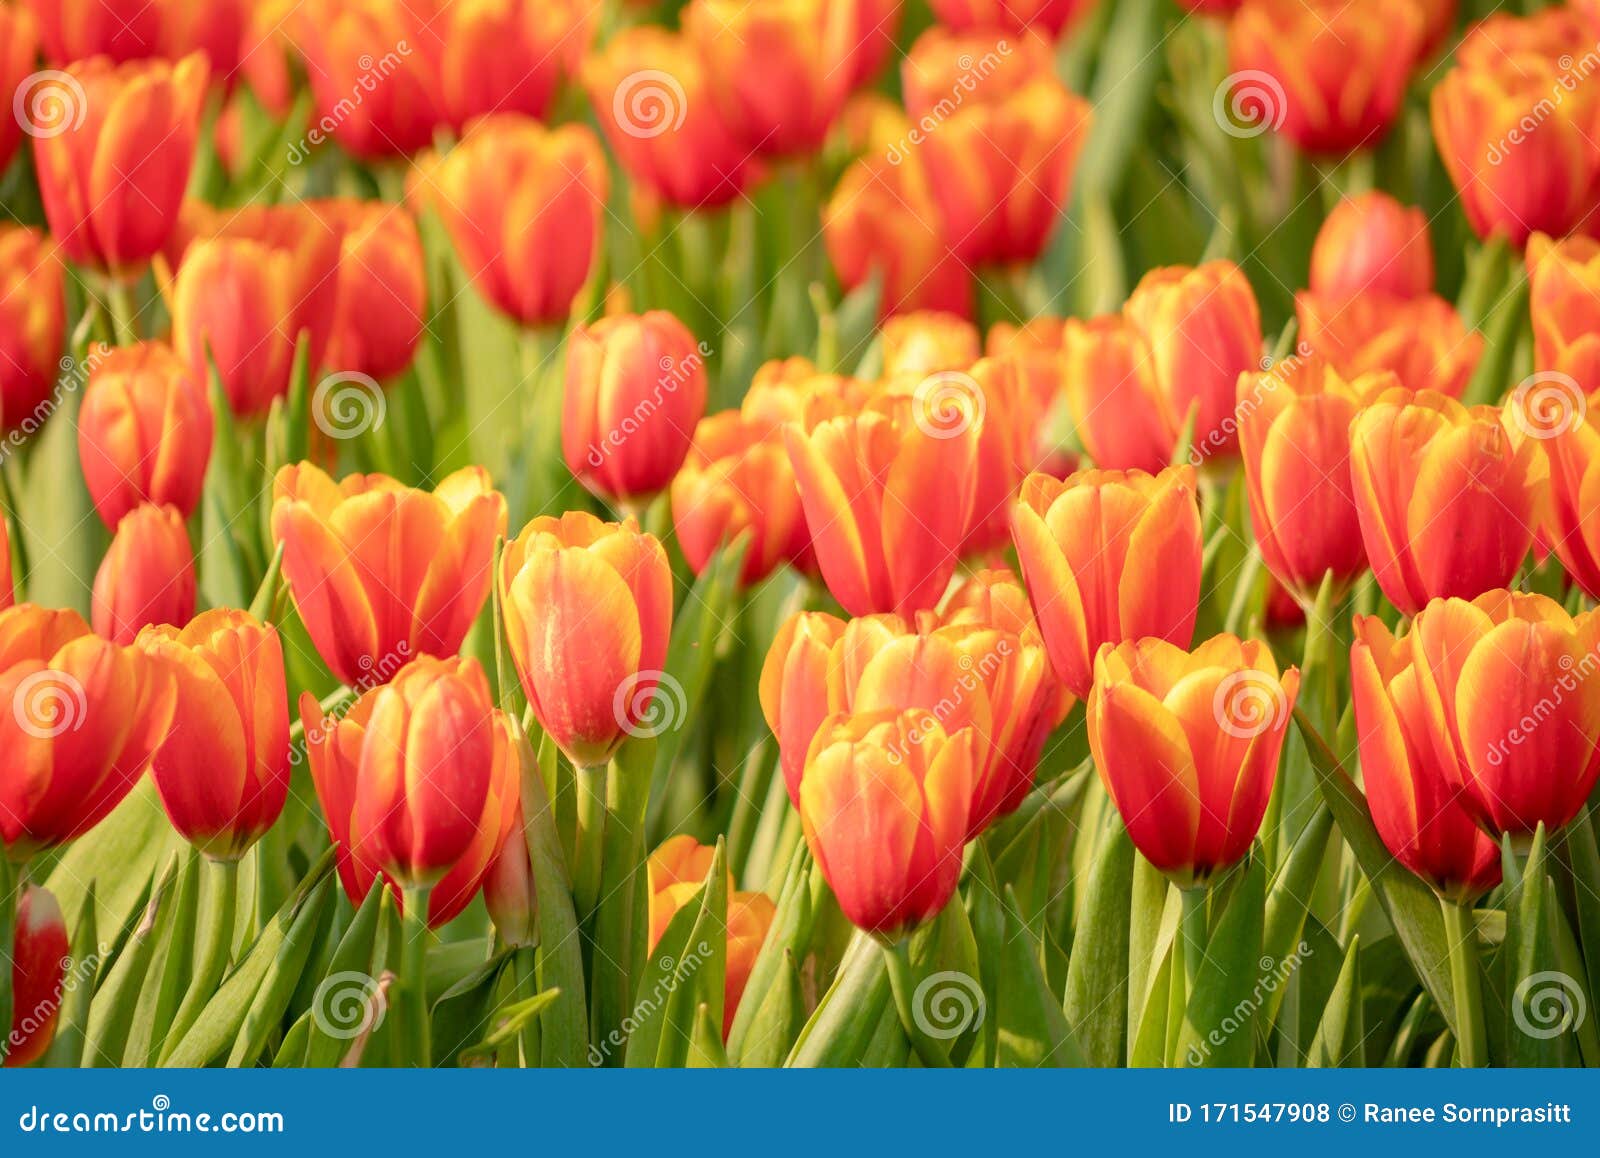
x: 884, y: 807
x: 1204, y: 330
x: 927, y: 342
x: 1411, y: 788
x: 223, y: 770
x: 85, y: 717
x: 1564, y: 300
x: 1422, y: 340
x: 588, y: 611
x: 1445, y: 496
x: 508, y: 890
x: 636, y: 386
x: 1109, y: 556
x: 381, y: 573
x: 1371, y: 243
x: 144, y: 432
x: 794, y: 688
x: 147, y: 575
x: 1109, y: 377
x: 1187, y: 746
x: 383, y: 291
x: 19, y: 52
x: 33, y: 324
x: 39, y: 957
x: 75, y: 30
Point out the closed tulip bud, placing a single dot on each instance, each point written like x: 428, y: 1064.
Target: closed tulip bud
x: 1564, y: 300
x: 884, y: 805
x: 588, y: 611
x: 522, y: 204
x: 1187, y: 746
x: 247, y: 287
x: 383, y: 290
x: 383, y: 51
x: 381, y: 573
x: 1511, y: 706
x: 1422, y: 340
x: 19, y: 52
x: 508, y: 890
x: 420, y: 783
x: 507, y: 56
x: 778, y: 72
x: 33, y: 324
x: 40, y: 954
x: 927, y: 342
x: 86, y: 715
x: 1338, y: 69
x: 866, y: 484
x: 794, y: 688
x: 636, y: 387
x: 652, y: 97
x: 144, y: 432
x: 1413, y: 785
x: 74, y: 30
x: 1446, y: 497
x: 1204, y: 330
x: 112, y: 178
x: 737, y: 481
x: 1109, y: 556
x: 1371, y: 243
x: 1294, y: 437
x: 1047, y: 17
x: 147, y: 576
x: 1108, y: 373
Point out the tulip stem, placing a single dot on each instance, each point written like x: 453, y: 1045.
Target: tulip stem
x: 221, y: 884
x: 1196, y: 934
x: 619, y: 926
x: 10, y: 890
x: 119, y: 309
x: 589, y: 844
x: 902, y: 983
x: 1461, y: 932
x: 415, y: 1049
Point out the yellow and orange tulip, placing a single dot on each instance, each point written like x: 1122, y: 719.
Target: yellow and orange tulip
x: 147, y: 576
x: 1371, y: 243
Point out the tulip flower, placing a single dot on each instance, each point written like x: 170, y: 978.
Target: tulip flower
x: 1204, y: 330
x: 508, y: 890
x: 1294, y: 437
x: 927, y: 342
x: 19, y: 52
x: 214, y: 28
x: 506, y: 55
x: 1423, y: 339
x: 588, y: 611
x: 1037, y: 345
x: 1371, y: 243
x: 1564, y: 299
x: 33, y: 326
x: 865, y: 483
x: 1109, y: 556
x: 876, y: 29
x: 636, y: 387
x: 1108, y: 374
x: 1510, y: 706
x: 383, y: 290
x: 884, y: 807
x: 522, y: 205
x: 146, y: 577
x: 144, y: 432
x: 794, y: 688
x: 1413, y: 785
x: 74, y: 30
x: 1187, y: 746
x: 1445, y: 496
x: 247, y: 287
x: 40, y: 954
x: 382, y: 573
x: 1335, y: 70
x: 86, y: 716
x: 112, y: 179
x: 223, y: 770
x: 778, y: 72
x: 1048, y: 17
x: 419, y: 781
x: 1566, y: 428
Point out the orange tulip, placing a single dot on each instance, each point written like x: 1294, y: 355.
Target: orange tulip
x: 1049, y: 17
x: 86, y: 716
x: 1371, y: 243
x: 144, y: 432
x: 1204, y: 330
x: 147, y: 575
x: 383, y: 290
x: 1037, y: 345
x: 794, y: 688
x: 1511, y: 709
x: 75, y: 30
x: 865, y: 484
x: 504, y: 56
x: 1187, y: 746
x: 381, y: 573
x: 884, y: 807
x: 875, y: 31
x: 927, y: 342
x: 214, y: 28
x: 223, y: 770
x: 522, y: 204
x: 1109, y: 556
x: 793, y: 390
x: 588, y: 611
x: 419, y: 781
x: 509, y: 891
x: 1412, y: 786
x: 1564, y: 299
x: 114, y: 162
x: 33, y: 323
x: 40, y: 955
x: 1566, y: 428
x: 19, y: 51
x: 248, y: 286
x: 636, y: 387
x: 1294, y: 437
x: 1422, y: 339
x: 1108, y: 374
x: 1446, y: 497
x: 1334, y: 71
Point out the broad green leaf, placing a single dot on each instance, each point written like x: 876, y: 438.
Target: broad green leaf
x: 170, y: 967
x: 1341, y: 1035
x: 1219, y: 1016
x: 764, y: 1019
x: 1033, y: 1030
x: 1097, y: 975
x: 846, y: 1019
x: 347, y: 999
x: 111, y: 1014
x: 265, y: 1013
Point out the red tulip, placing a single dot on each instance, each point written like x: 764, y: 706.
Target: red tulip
x: 39, y: 957
x: 147, y: 575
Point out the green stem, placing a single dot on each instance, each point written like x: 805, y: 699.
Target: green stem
x: 902, y: 983
x: 1196, y: 933
x: 619, y: 924
x: 119, y: 306
x: 11, y: 877
x: 588, y: 851
x: 1471, y: 1034
x: 416, y: 1049
x: 221, y: 886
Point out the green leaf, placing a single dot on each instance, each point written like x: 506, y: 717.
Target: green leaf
x: 509, y: 1022
x: 118, y: 858
x: 764, y: 1024
x: 1097, y: 974
x: 170, y: 967
x: 111, y: 1014
x: 1033, y: 1030
x: 88, y: 962
x: 1289, y: 901
x: 1218, y: 1023
x: 277, y: 986
x: 347, y: 1000
x: 1543, y: 1001
x: 1341, y: 1035
x: 844, y: 1024
x: 705, y: 1049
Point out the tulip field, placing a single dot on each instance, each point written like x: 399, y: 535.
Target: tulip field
x: 799, y: 533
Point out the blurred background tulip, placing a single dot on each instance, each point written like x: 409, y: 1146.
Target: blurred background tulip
x: 794, y: 688
x: 1564, y: 302
x: 1049, y: 17
x: 39, y: 955
x: 33, y: 325
x: 19, y: 52
x: 1371, y: 243
x: 77, y: 29
x: 1422, y: 339
x: 927, y: 342
x: 147, y: 576
x: 1565, y: 426
x: 383, y: 290
x: 1118, y: 409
